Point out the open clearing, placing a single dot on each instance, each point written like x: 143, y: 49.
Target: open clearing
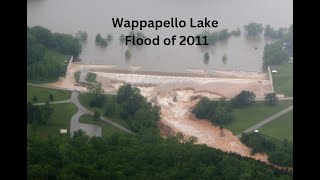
x: 281, y: 128
x: 107, y: 130
x: 60, y: 119
x: 42, y: 94
x: 249, y: 116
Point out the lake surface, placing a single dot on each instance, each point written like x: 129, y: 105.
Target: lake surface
x: 69, y: 16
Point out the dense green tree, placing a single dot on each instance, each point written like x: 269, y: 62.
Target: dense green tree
x: 38, y: 114
x: 96, y: 93
x: 51, y: 98
x: 34, y: 99
x: 96, y: 115
x: 138, y: 157
x: 44, y: 51
x: 273, y: 54
x: 253, y: 29
x: 110, y: 106
x: 271, y: 99
x: 280, y: 153
x: 274, y: 34
x: 224, y: 34
x: 244, y: 98
x: 101, y: 41
x: 218, y: 112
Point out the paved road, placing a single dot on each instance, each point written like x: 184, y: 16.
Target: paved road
x: 55, y: 102
x: 91, y: 130
x: 116, y: 125
x: 49, y: 87
x: 75, y: 125
x: 271, y: 118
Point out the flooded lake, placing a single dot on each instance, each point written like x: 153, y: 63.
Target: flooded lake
x: 69, y: 16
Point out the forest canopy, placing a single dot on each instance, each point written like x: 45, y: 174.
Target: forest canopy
x: 47, y: 53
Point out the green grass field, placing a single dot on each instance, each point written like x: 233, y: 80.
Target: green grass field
x: 280, y: 128
x: 84, y: 99
x: 249, y: 116
x: 107, y: 130
x: 60, y: 119
x: 91, y: 77
x: 283, y: 80
x: 43, y: 94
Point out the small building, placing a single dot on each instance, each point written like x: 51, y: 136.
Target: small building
x: 274, y: 71
x: 256, y: 130
x: 63, y: 131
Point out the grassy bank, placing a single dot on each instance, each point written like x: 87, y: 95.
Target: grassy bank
x: 280, y: 128
x: 283, y: 80
x: 60, y: 119
x: 249, y: 116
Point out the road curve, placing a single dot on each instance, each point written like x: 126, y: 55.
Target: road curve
x: 75, y: 125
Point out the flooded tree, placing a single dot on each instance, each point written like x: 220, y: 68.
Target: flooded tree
x: 109, y: 37
x: 224, y: 59
x: 128, y: 54
x: 122, y: 38
x: 82, y: 36
x: 253, y: 29
x: 206, y: 58
x: 101, y: 41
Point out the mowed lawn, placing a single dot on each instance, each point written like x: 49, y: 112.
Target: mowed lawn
x: 42, y: 94
x: 280, y: 128
x: 283, y: 80
x: 84, y: 99
x: 107, y: 129
x: 60, y: 119
x: 249, y: 116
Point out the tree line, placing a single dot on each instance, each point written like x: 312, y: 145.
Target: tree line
x: 219, y: 111
x: 38, y: 115
x: 279, y: 153
x: 46, y: 53
x: 144, y: 156
x: 138, y: 157
x: 128, y: 104
x: 279, y: 52
x: 214, y: 37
